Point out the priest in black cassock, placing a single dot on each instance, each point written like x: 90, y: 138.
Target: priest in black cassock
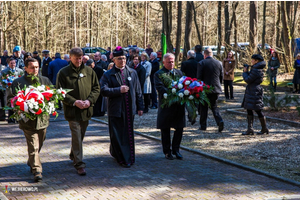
x: 122, y: 88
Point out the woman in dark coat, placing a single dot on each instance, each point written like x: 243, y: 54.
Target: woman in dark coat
x: 296, y: 79
x: 253, y: 99
x: 273, y: 65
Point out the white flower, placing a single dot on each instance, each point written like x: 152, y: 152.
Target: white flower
x: 165, y: 95
x: 58, y: 91
x: 173, y: 90
x: 41, y: 88
x: 81, y: 75
x: 30, y: 105
x: 191, y: 97
x: 186, y: 92
x: 129, y: 78
x: 187, y: 82
x: 180, y: 94
x: 180, y: 86
x: 175, y: 82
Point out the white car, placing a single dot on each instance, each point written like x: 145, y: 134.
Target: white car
x: 215, y: 50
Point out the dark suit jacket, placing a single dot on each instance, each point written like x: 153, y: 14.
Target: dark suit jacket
x: 110, y: 87
x: 199, y: 57
x: 45, y: 66
x: 168, y: 117
x: 99, y: 72
x: 189, y: 67
x: 210, y: 71
x: 155, y: 68
x: 101, y: 64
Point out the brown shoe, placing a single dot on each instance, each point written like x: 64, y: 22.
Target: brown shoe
x: 81, y: 171
x: 38, y: 176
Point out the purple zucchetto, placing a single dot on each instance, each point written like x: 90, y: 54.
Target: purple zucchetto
x: 118, y: 52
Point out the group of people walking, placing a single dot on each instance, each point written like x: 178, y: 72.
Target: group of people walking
x: 127, y: 87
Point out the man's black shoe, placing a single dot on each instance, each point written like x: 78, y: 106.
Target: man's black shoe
x: 38, y: 176
x: 125, y: 165
x: 221, y: 126
x: 169, y: 156
x: 178, y: 155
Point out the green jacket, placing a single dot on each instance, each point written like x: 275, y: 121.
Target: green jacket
x: 85, y: 86
x: 19, y: 83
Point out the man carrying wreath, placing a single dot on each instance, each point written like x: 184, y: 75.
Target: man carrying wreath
x: 169, y: 117
x: 34, y: 130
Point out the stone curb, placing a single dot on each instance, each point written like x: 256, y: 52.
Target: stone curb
x: 2, y: 196
x: 292, y: 182
x: 272, y: 119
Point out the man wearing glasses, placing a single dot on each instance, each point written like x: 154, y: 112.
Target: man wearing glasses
x: 122, y: 88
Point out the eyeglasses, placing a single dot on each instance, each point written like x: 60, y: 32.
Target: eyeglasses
x: 121, y: 58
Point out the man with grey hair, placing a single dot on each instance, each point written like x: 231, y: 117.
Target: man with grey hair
x: 155, y: 68
x: 67, y: 58
x: 169, y: 117
x: 104, y: 59
x: 85, y: 58
x: 189, y: 67
x: 210, y: 71
x: 98, y: 62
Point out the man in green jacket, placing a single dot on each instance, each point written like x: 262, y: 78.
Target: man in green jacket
x: 34, y: 130
x: 78, y: 103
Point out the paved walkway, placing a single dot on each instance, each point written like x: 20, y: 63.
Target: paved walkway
x: 152, y: 177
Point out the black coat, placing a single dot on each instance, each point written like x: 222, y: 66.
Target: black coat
x: 110, y: 87
x: 141, y: 72
x: 253, y: 99
x: 189, y: 67
x: 99, y: 72
x: 168, y: 117
x: 155, y: 68
x: 45, y: 66
x: 101, y: 64
x: 210, y: 71
x: 39, y: 60
x: 296, y: 78
x: 199, y: 57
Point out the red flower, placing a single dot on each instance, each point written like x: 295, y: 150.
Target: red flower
x: 197, y: 96
x: 54, y: 113
x: 9, y: 84
x: 201, y: 89
x: 39, y: 111
x: 194, y: 79
x: 47, y: 87
x: 19, y: 76
x: 207, y: 86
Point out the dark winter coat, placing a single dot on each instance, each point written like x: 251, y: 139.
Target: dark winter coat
x: 101, y: 64
x: 19, y: 62
x: 253, y: 99
x: 46, y: 63
x: 189, y: 67
x: 155, y: 68
x: 54, y: 67
x: 296, y: 79
x: 141, y: 72
x: 199, y: 57
x: 31, y: 125
x: 168, y: 117
x: 275, y: 64
x: 85, y: 87
x: 210, y: 71
x: 110, y: 87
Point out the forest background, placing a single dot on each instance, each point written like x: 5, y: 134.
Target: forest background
x: 61, y: 25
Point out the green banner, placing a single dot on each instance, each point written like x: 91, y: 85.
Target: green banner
x: 163, y: 45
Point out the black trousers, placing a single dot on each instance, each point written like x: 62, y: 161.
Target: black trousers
x: 146, y: 102
x: 154, y: 95
x: 203, y: 110
x: 228, y: 83
x: 166, y: 140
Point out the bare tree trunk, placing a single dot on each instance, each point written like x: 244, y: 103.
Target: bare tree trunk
x: 117, y: 24
x: 277, y: 25
x: 188, y: 28
x: 235, y: 35
x: 196, y: 25
x: 167, y: 23
x: 227, y: 26
x: 91, y: 24
x: 219, y: 27
x: 145, y: 25
x: 253, y: 25
x: 264, y: 27
x: 75, y: 31
x: 179, y: 30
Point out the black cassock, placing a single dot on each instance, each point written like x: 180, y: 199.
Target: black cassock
x: 121, y: 110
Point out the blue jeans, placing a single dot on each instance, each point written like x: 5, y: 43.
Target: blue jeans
x: 271, y: 79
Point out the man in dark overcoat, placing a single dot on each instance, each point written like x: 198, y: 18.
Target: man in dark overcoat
x: 210, y: 71
x: 189, y: 67
x: 122, y: 88
x: 155, y: 68
x: 46, y: 63
x: 169, y: 117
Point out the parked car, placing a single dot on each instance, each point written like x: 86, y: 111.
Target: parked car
x: 90, y: 50
x: 141, y: 50
x: 215, y: 50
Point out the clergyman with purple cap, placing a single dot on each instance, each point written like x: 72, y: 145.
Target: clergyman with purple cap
x: 122, y: 88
